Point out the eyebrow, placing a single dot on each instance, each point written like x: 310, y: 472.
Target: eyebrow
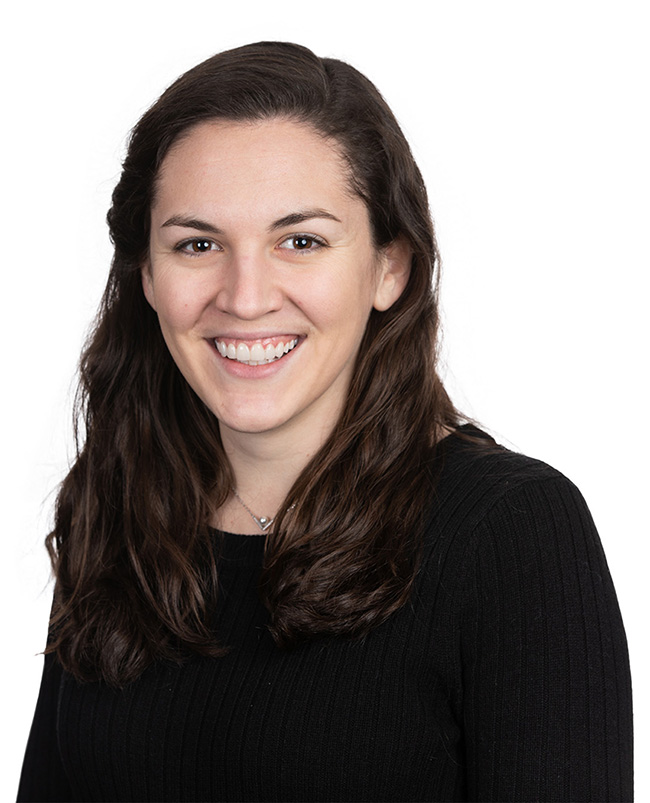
x: 191, y: 223
x: 300, y: 217
x: 288, y: 220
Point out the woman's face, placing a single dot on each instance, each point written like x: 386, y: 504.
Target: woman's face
x: 263, y: 272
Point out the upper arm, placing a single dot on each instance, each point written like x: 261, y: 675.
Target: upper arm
x: 43, y: 777
x: 547, y: 699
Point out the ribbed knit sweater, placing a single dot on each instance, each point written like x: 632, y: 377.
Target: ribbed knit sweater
x: 505, y: 678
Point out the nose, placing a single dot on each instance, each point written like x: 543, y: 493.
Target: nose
x: 248, y: 287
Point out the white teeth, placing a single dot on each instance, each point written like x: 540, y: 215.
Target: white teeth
x: 257, y: 354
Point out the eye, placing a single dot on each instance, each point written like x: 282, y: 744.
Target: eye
x: 302, y: 242
x: 196, y: 246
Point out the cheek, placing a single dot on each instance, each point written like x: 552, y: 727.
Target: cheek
x: 341, y: 316
x: 179, y: 302
x: 347, y: 291
x: 350, y: 299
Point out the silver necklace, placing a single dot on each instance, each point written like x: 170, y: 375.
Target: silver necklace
x: 263, y: 522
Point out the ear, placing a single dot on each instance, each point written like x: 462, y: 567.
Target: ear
x: 147, y: 284
x: 395, y: 271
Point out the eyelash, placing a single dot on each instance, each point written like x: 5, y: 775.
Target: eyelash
x: 184, y: 246
x: 318, y: 242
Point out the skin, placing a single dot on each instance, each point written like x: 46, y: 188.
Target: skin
x: 257, y: 237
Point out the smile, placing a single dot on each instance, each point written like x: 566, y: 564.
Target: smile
x: 258, y: 353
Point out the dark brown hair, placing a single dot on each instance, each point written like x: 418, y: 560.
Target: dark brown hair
x: 132, y: 550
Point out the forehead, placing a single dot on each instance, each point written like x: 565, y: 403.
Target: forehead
x: 229, y: 160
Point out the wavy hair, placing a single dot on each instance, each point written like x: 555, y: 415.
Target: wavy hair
x: 132, y: 550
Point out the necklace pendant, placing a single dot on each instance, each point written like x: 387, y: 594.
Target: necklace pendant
x: 263, y: 522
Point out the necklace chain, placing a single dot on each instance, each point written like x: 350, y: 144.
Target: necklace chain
x: 263, y: 522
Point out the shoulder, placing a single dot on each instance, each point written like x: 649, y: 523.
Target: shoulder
x: 508, y: 533
x: 476, y: 477
x: 511, y: 540
x: 488, y: 498
x: 471, y: 458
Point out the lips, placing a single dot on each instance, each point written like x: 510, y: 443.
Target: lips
x: 256, y: 352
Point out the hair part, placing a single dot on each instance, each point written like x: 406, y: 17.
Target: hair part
x: 132, y: 550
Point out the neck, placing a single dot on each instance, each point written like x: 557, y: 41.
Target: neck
x: 265, y: 466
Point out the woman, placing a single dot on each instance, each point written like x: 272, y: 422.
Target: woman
x: 420, y: 614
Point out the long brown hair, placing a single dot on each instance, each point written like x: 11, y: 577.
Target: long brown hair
x: 132, y: 550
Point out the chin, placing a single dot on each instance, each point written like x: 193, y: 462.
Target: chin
x: 251, y: 427
x: 251, y: 421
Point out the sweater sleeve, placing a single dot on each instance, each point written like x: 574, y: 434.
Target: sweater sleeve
x: 547, y: 693
x: 43, y: 777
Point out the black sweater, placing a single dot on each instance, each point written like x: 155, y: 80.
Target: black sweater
x: 505, y: 678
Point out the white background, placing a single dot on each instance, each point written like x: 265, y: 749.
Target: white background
x: 531, y: 124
